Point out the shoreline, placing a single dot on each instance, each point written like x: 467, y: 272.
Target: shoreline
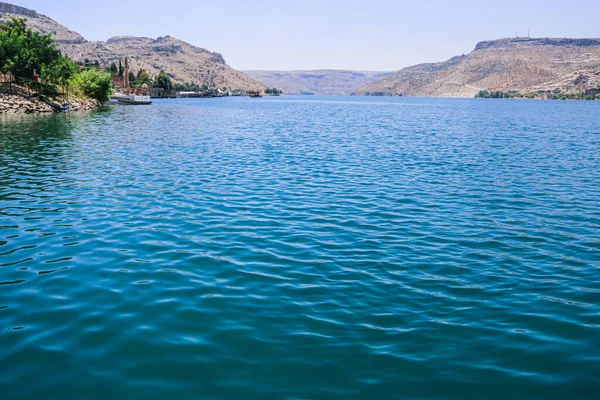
x: 15, y: 104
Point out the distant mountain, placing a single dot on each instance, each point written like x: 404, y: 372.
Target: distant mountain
x: 180, y: 60
x: 525, y: 65
x: 321, y: 82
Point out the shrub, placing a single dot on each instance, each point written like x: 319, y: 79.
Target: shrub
x: 94, y: 84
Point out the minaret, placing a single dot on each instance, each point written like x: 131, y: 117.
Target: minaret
x: 126, y: 74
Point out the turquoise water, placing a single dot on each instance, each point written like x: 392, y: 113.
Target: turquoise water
x: 302, y: 248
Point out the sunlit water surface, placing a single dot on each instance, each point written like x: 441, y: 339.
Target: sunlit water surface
x: 302, y: 248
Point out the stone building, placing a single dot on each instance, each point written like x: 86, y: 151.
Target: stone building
x: 122, y: 82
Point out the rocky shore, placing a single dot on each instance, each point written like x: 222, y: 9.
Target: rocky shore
x: 14, y: 104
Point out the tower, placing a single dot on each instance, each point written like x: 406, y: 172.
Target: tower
x: 126, y: 74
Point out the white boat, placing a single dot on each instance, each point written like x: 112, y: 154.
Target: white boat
x: 134, y: 100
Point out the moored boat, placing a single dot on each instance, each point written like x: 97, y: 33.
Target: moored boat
x: 134, y: 100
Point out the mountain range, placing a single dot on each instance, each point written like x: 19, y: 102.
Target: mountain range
x: 320, y: 82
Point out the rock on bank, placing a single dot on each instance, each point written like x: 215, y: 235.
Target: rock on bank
x: 13, y: 104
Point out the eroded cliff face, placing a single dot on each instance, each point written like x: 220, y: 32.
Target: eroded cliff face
x: 519, y: 64
x: 18, y: 10
x: 182, y: 61
x: 40, y: 23
x: 529, y: 42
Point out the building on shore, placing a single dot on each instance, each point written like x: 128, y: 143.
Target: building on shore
x: 121, y: 81
x: 121, y: 84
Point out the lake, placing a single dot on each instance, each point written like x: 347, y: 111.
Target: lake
x: 302, y: 248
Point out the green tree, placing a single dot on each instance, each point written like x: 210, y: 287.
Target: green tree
x: 143, y: 77
x: 94, y: 84
x: 113, y: 69
x: 273, y: 91
x: 163, y: 81
x: 121, y: 69
x: 189, y: 87
x: 132, y: 79
x: 62, y: 71
x: 22, y: 50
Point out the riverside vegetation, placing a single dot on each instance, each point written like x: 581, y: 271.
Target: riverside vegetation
x: 485, y: 94
x: 34, y: 57
x: 273, y: 91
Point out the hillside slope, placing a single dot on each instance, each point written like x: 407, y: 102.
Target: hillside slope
x: 519, y: 64
x: 180, y: 60
x: 320, y: 82
x: 40, y: 23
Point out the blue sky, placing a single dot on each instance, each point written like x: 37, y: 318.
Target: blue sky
x: 350, y: 34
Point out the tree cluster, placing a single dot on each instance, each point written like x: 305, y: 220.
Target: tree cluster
x: 573, y: 96
x: 190, y: 87
x: 273, y: 91
x: 541, y: 95
x: 162, y: 80
x: 27, y: 53
x: 494, y: 95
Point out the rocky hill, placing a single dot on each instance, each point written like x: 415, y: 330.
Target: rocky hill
x: 41, y: 23
x: 524, y: 65
x: 180, y: 60
x: 319, y: 82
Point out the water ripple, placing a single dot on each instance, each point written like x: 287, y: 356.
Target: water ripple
x: 302, y: 248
